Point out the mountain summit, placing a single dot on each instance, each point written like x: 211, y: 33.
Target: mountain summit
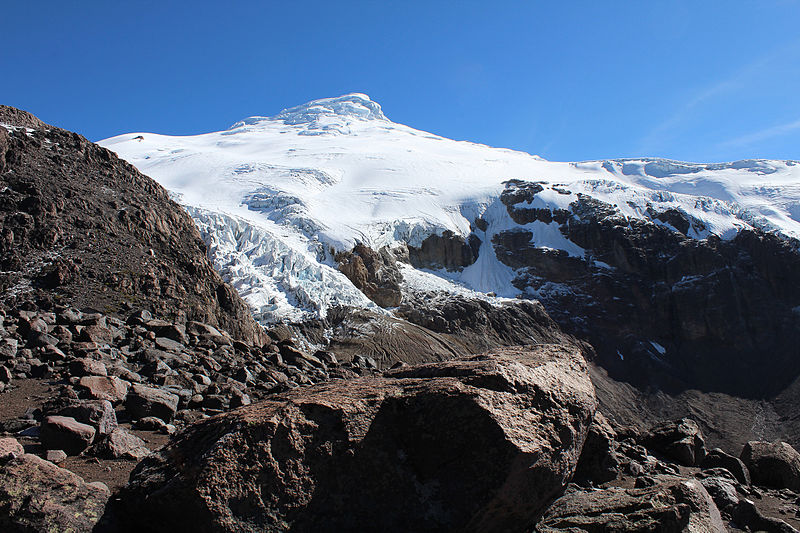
x: 324, y: 115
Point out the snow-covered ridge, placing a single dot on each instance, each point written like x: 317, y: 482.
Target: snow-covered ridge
x: 317, y: 178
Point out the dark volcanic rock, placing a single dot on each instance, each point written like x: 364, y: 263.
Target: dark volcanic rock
x: 36, y: 495
x: 121, y: 444
x: 82, y: 226
x: 374, y: 273
x: 717, y: 458
x: 99, y: 414
x: 146, y: 401
x: 774, y: 464
x: 109, y: 388
x: 448, y: 251
x: 663, y: 310
x: 672, y: 505
x: 477, y: 444
x: 598, y: 461
x: 680, y: 440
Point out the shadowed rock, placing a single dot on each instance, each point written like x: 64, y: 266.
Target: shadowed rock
x: 775, y: 464
x: 476, y: 444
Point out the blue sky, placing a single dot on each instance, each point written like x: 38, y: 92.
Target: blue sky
x: 689, y: 80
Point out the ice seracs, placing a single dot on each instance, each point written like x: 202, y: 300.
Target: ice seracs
x: 327, y: 115
x: 315, y: 179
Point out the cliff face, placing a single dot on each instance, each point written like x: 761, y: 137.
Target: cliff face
x: 80, y: 227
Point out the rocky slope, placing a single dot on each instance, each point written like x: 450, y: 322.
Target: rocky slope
x: 81, y: 227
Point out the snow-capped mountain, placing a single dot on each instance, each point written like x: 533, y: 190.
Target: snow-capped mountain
x: 277, y: 197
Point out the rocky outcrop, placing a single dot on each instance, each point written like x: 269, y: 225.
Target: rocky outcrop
x: 375, y: 273
x: 448, y: 251
x: 36, y: 495
x: 82, y: 227
x: 670, y: 505
x: 476, y: 444
x: 664, y: 308
x: 433, y: 326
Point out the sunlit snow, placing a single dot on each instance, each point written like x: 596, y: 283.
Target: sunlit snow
x: 275, y: 196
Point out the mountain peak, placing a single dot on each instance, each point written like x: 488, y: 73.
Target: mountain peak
x: 353, y: 105
x: 345, y: 108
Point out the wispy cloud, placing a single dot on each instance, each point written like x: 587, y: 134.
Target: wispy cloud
x: 657, y: 135
x: 762, y: 135
x: 741, y: 78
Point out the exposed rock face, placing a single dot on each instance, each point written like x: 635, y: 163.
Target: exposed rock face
x: 448, y: 251
x: 774, y: 464
x: 672, y: 505
x: 720, y: 312
x: 478, y: 444
x: 36, y: 495
x: 80, y: 226
x: 373, y: 273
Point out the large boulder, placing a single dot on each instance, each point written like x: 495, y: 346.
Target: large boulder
x: 10, y: 448
x: 36, y: 495
x: 121, y: 444
x: 145, y: 401
x: 774, y: 464
x: 66, y: 433
x: 680, y: 440
x: 109, y: 388
x: 671, y: 505
x: 479, y: 444
x: 717, y: 458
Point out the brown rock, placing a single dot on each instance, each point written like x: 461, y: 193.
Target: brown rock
x: 65, y: 433
x: 56, y: 456
x: 774, y: 464
x: 36, y: 495
x: 10, y: 448
x: 672, y: 505
x: 109, y: 388
x: 148, y: 401
x: 599, y: 460
x: 478, y: 444
x: 717, y: 458
x: 374, y: 273
x: 99, y: 414
x: 122, y: 444
x: 97, y: 334
x: 680, y: 440
x: 87, y: 367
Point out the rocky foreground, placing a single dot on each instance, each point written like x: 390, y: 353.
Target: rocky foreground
x: 505, y: 441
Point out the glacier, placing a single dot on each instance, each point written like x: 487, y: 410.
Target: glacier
x: 276, y: 197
